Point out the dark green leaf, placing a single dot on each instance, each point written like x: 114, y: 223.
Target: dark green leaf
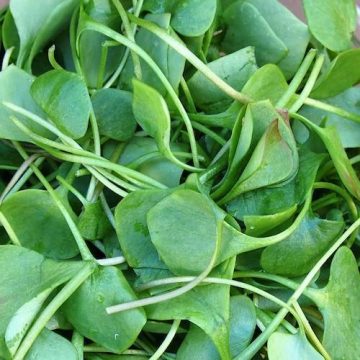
x: 85, y: 310
x: 114, y: 115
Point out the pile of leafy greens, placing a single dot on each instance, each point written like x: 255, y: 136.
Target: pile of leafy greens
x: 178, y: 180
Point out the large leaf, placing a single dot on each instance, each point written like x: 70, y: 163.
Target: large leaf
x: 85, y: 310
x: 242, y: 326
x: 193, y: 17
x: 332, y: 22
x: 48, y: 17
x: 15, y: 88
x: 278, y: 36
x: 64, y: 97
x: 39, y: 225
x: 296, y: 255
x: 342, y: 73
x: 234, y: 68
x: 24, y: 274
x: 114, y: 115
x: 283, y: 346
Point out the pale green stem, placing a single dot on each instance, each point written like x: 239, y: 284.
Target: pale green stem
x: 309, y: 85
x: 167, y: 341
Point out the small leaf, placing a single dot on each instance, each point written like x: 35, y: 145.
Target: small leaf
x: 342, y: 73
x: 283, y: 346
x: 234, y: 68
x: 332, y: 22
x: 39, y: 224
x: 64, y: 97
x: 93, y: 223
x: 86, y: 310
x: 193, y: 17
x: 114, y: 115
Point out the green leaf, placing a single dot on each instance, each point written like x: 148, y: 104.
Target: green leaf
x: 234, y: 68
x: 24, y: 274
x: 283, y: 346
x: 267, y: 83
x: 269, y: 201
x: 296, y: 255
x: 10, y: 36
x: 64, y: 97
x: 339, y: 305
x: 274, y: 160
x: 51, y: 346
x: 259, y: 225
x: 193, y: 17
x: 152, y: 114
x: 132, y: 231
x: 206, y: 306
x: 85, y: 310
x: 114, y: 115
x: 48, y: 18
x: 189, y: 222
x: 15, y: 88
x: 93, y: 223
x: 39, y: 224
x: 143, y: 155
x: 242, y: 326
x: 348, y: 131
x: 342, y: 73
x: 332, y: 22
x: 278, y: 36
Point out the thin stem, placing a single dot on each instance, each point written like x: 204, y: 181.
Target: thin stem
x: 187, y: 93
x: 167, y: 341
x: 107, y: 211
x: 112, y: 261
x: 84, y: 250
x: 332, y: 109
x: 297, y: 79
x: 9, y: 230
x: 130, y: 35
x: 78, y: 342
x: 193, y: 59
x: 6, y: 58
x: 51, y: 309
x: 309, y: 85
x: 74, y: 191
x: 52, y: 60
